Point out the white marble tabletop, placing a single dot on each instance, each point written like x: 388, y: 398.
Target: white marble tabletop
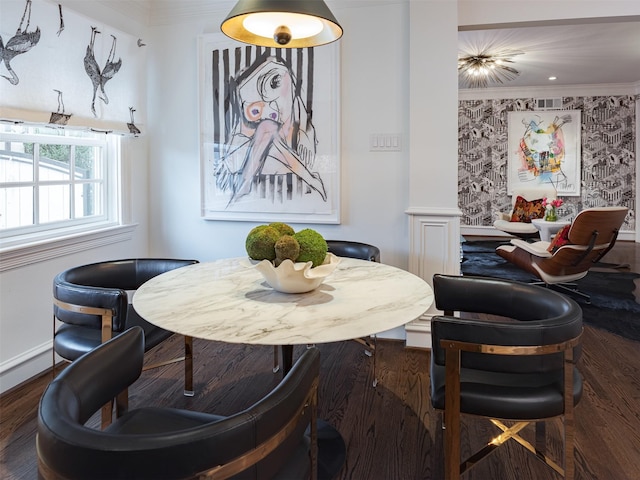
x: 226, y: 300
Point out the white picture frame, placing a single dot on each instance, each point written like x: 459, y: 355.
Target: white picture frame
x: 544, y: 147
x: 269, y: 132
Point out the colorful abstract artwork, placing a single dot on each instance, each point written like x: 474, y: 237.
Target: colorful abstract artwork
x: 269, y: 133
x: 544, y: 147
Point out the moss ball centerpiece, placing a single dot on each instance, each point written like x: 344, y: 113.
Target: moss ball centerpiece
x: 291, y: 262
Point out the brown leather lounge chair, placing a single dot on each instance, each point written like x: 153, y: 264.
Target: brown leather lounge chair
x: 573, y: 251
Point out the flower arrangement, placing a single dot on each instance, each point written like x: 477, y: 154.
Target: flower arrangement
x: 551, y: 204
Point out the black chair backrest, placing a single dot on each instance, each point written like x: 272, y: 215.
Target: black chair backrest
x: 105, y: 285
x: 527, y: 315
x: 68, y: 448
x: 362, y: 251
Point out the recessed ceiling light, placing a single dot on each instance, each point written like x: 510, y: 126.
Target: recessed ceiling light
x: 553, y: 78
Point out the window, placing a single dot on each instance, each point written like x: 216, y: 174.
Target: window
x: 56, y: 182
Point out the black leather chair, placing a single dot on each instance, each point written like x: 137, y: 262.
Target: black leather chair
x: 362, y: 251
x: 518, y: 364
x: 267, y: 440
x: 93, y: 305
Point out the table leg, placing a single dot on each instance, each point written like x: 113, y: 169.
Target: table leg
x: 332, y: 450
x: 287, y: 359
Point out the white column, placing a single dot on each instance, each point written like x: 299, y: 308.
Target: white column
x: 434, y: 217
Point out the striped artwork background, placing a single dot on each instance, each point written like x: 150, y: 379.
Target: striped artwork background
x: 230, y: 65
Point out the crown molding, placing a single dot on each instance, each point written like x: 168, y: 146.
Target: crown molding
x: 543, y: 92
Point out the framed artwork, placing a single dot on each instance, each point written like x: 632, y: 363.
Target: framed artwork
x: 269, y: 132
x: 544, y: 147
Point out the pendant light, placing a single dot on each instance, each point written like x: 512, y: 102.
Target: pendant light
x: 282, y: 23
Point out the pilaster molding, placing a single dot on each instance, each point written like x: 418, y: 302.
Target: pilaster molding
x: 434, y: 247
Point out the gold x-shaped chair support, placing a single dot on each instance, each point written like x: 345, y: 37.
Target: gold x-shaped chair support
x: 509, y: 433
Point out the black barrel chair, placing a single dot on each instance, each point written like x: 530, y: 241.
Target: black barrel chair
x: 274, y: 438
x: 92, y: 302
x: 516, y: 363
x: 362, y: 251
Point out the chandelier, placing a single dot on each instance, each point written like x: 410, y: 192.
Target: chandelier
x: 478, y: 70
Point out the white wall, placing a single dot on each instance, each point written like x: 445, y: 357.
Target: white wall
x: 374, y: 99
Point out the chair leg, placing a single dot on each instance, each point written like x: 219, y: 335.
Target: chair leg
x: 572, y: 289
x: 276, y: 362
x: 541, y: 438
x: 188, y: 366
x: 370, y: 351
x: 122, y: 403
x: 375, y: 355
x: 452, y: 415
x: 106, y: 414
x: 569, y: 460
x: 437, y: 451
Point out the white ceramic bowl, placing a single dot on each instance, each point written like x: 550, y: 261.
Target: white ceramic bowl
x: 299, y: 277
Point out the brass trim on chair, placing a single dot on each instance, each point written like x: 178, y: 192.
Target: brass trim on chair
x: 106, y: 332
x: 105, y: 313
x: 507, y: 349
x: 308, y: 407
x: 453, y: 348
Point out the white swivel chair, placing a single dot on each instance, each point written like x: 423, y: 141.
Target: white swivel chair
x: 519, y: 228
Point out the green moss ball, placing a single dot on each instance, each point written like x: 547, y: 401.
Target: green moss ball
x: 287, y: 247
x: 313, y: 248
x: 283, y: 228
x: 261, y: 241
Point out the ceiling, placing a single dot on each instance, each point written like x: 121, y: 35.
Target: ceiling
x: 588, y: 54
x: 586, y: 51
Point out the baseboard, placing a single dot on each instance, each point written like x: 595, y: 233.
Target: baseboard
x: 419, y: 333
x: 22, y: 367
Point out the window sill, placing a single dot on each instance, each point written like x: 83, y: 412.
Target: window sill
x: 22, y: 255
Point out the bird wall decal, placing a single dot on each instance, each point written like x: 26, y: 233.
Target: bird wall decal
x: 99, y: 77
x: 20, y: 43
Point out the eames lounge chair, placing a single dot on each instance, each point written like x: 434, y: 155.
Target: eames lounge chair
x: 276, y: 438
x: 92, y: 304
x: 515, y: 364
x: 526, y: 205
x: 572, y: 252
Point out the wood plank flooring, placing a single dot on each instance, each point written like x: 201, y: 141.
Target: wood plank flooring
x: 386, y: 429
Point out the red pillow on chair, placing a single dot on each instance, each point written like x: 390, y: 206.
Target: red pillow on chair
x: 561, y: 238
x: 525, y: 211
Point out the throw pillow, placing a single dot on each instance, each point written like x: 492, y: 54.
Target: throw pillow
x: 561, y: 238
x: 524, y: 211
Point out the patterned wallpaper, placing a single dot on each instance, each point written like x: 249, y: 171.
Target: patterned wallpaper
x: 608, y: 156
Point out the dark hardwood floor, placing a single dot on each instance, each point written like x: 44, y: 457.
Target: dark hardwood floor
x: 386, y: 429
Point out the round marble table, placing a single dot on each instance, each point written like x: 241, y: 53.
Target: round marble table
x: 228, y: 300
